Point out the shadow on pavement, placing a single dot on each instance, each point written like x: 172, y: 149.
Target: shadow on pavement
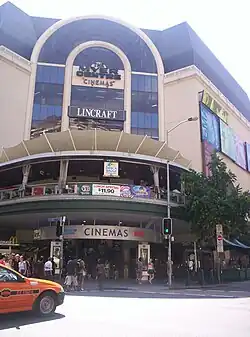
x: 171, y: 294
x: 17, y: 320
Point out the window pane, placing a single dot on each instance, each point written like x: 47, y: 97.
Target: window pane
x: 134, y: 117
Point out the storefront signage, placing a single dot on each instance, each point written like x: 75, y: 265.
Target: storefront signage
x: 106, y: 190
x: 214, y: 106
x: 102, y: 233
x: 141, y: 191
x: 11, y: 242
x: 84, y: 189
x: 98, y: 70
x: 98, y: 74
x: 111, y: 169
x: 78, y: 112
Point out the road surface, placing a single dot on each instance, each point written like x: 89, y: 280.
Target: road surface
x: 136, y: 313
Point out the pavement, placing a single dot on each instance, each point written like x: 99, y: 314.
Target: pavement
x: 142, y: 311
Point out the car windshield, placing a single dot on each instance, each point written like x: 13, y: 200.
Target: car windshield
x: 7, y: 275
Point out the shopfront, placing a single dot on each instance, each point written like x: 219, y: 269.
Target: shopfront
x: 119, y: 246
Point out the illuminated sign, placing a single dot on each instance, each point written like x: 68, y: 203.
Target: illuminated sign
x: 214, y: 106
x: 98, y: 74
x: 77, y: 112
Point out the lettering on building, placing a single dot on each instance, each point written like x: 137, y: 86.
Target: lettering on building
x: 106, y: 232
x: 98, y: 70
x: 78, y: 112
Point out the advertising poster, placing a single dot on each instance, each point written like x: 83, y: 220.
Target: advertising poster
x: 126, y: 192
x: 106, y: 190
x: 139, y: 191
x: 228, y: 142
x: 84, y: 189
x: 38, y: 190
x: 240, y: 153
x: 208, y: 150
x: 111, y: 169
x: 210, y: 127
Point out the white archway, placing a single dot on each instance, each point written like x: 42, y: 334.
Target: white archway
x: 59, y: 24
x: 68, y: 79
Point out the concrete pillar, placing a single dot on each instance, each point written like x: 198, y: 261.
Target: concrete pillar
x: 155, y: 170
x: 26, y: 172
x: 64, y: 164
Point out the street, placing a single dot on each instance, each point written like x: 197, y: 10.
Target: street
x: 135, y: 313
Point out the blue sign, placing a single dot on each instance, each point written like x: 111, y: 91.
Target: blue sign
x: 210, y: 127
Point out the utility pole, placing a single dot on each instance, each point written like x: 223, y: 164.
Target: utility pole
x: 62, y: 224
x: 169, y: 262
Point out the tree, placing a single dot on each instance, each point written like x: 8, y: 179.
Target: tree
x: 213, y: 200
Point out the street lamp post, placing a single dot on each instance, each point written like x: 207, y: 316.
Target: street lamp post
x: 190, y: 119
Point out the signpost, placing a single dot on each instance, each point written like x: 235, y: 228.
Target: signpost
x: 220, y: 249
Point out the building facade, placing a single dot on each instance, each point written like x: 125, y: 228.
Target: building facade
x: 93, y: 113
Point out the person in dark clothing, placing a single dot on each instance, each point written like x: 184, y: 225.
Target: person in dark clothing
x: 39, y: 268
x: 100, y: 273
x: 71, y: 278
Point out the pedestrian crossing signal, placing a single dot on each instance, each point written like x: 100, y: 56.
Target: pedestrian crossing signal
x: 166, y: 226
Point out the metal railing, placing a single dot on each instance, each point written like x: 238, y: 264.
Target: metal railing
x: 91, y: 189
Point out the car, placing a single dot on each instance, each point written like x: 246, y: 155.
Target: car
x: 19, y: 293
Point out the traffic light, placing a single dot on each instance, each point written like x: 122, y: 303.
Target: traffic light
x: 166, y: 226
x: 58, y: 228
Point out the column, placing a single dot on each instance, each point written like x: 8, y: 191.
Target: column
x: 155, y: 170
x: 26, y: 172
x: 64, y: 164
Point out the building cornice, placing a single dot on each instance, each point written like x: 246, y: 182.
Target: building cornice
x: 14, y: 59
x: 194, y: 72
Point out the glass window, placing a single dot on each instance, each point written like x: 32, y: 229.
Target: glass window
x: 50, y: 74
x: 144, y: 83
x: 8, y: 276
x: 97, y: 98
x: 48, y: 94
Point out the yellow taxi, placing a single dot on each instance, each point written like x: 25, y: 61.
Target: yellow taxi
x: 19, y: 293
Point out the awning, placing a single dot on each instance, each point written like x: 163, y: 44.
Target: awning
x: 94, y: 140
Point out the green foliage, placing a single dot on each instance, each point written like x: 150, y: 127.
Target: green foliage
x: 214, y: 200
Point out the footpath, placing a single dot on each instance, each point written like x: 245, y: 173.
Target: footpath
x: 160, y: 286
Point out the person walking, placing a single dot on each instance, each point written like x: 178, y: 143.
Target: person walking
x: 48, y: 269
x: 81, y: 273
x: 151, y: 271
x: 100, y: 274
x: 139, y: 270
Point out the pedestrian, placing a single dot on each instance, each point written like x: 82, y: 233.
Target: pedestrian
x: 81, y: 273
x: 100, y: 274
x: 151, y: 271
x: 48, y: 269
x: 39, y: 268
x: 22, y: 266
x: 71, y: 277
x: 139, y: 270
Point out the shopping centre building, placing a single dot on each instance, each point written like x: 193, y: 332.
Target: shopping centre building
x: 93, y: 113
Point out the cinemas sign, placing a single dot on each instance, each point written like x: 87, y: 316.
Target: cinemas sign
x: 98, y: 74
x: 103, y: 233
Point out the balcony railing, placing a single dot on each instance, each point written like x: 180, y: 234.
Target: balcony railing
x: 92, y: 189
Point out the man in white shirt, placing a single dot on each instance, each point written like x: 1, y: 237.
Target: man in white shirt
x: 48, y: 268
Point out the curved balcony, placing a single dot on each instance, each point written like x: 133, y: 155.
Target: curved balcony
x: 90, y: 191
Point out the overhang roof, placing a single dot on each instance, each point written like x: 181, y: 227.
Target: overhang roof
x: 93, y: 140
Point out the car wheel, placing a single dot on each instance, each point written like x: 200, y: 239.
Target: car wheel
x: 46, y: 304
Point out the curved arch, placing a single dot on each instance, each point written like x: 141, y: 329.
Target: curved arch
x: 59, y: 24
x: 68, y: 76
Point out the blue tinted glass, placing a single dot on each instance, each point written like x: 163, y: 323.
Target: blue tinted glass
x: 147, y: 120
x: 148, y: 83
x: 134, y: 117
x: 50, y: 74
x: 154, y: 83
x: 134, y: 82
x: 154, y: 120
x: 141, y: 119
x: 141, y: 86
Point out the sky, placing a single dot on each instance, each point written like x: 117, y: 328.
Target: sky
x: 223, y: 25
